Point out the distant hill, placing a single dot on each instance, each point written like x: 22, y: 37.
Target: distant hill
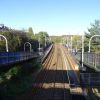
x: 56, y: 39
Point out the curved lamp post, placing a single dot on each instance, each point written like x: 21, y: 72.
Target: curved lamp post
x: 6, y: 42
x: 45, y: 40
x: 29, y: 45
x: 82, y: 50
x: 71, y: 43
x: 39, y: 43
x: 90, y: 41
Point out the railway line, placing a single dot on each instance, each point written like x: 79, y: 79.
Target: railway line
x: 53, y: 81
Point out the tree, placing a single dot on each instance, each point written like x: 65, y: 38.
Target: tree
x: 13, y: 41
x: 76, y: 41
x: 41, y: 37
x: 56, y: 39
x: 93, y: 30
x: 30, y: 33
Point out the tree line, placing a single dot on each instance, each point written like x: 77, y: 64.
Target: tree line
x: 17, y: 38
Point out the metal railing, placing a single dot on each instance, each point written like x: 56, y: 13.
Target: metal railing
x: 90, y: 59
x: 47, y: 51
x: 13, y: 57
x: 90, y: 79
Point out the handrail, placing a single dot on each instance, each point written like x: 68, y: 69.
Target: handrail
x: 14, y: 57
x: 90, y: 59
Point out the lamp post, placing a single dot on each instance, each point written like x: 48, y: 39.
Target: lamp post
x: 6, y: 42
x: 49, y: 39
x: 82, y: 50
x: 68, y: 42
x: 29, y: 45
x: 90, y: 41
x: 45, y: 40
x: 39, y: 43
x: 76, y: 46
x: 71, y: 43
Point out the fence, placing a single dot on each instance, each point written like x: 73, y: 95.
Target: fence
x: 90, y: 59
x: 90, y: 79
x: 13, y: 57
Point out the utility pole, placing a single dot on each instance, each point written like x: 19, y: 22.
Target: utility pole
x: 82, y: 50
x: 71, y: 43
x: 45, y: 41
x: 39, y: 43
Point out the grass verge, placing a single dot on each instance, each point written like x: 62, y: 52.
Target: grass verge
x: 18, y: 79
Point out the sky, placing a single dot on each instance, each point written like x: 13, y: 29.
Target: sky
x: 57, y: 17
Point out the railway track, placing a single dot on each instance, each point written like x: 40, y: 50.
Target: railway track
x: 52, y: 82
x: 74, y: 78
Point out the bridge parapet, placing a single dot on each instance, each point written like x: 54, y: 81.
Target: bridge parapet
x: 90, y: 79
x: 91, y: 60
x: 14, y: 57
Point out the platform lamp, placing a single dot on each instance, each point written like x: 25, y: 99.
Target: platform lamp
x: 6, y: 42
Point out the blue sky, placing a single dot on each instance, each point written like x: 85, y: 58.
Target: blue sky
x: 57, y: 17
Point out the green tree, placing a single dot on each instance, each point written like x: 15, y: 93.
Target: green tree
x: 41, y: 37
x: 93, y: 30
x: 76, y: 41
x: 30, y: 33
x: 56, y: 39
